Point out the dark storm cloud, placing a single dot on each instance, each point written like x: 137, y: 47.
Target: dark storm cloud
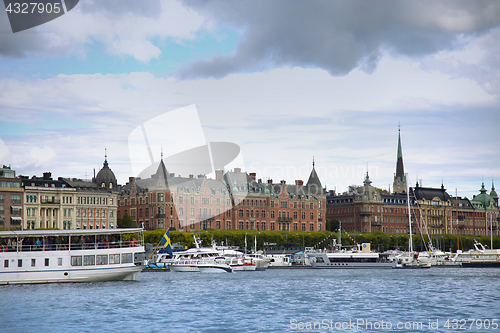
x: 337, y: 36
x: 36, y: 42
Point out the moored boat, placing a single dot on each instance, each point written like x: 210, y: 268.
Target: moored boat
x: 481, y: 257
x: 51, y: 256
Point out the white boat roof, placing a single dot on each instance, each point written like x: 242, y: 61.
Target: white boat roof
x: 71, y: 232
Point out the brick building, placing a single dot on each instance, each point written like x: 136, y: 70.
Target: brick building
x: 11, y: 204
x: 234, y: 200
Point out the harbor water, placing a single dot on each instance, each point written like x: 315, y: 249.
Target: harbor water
x: 276, y: 300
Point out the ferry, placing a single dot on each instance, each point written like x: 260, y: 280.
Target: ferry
x: 350, y: 259
x: 81, y: 255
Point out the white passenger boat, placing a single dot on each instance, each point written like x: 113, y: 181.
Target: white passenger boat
x: 45, y: 256
x: 350, y: 259
x: 481, y: 257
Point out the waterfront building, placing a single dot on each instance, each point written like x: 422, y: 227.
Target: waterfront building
x: 367, y: 209
x: 487, y: 211
x: 70, y: 203
x: 11, y: 204
x: 233, y: 200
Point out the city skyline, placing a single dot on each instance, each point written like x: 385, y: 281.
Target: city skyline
x: 264, y: 77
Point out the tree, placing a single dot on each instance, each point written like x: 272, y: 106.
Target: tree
x: 125, y: 222
x: 332, y: 225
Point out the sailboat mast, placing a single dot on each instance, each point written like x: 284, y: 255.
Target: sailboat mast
x: 456, y: 208
x: 409, y: 214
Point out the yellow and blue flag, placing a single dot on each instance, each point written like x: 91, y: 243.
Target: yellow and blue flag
x: 165, y: 240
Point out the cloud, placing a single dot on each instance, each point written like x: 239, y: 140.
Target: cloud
x: 123, y: 28
x: 337, y: 36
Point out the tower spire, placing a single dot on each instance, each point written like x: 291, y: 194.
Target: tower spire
x: 399, y: 184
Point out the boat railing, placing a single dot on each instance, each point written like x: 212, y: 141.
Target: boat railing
x: 68, y: 246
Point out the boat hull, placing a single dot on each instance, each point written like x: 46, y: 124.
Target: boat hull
x: 346, y: 265
x: 481, y: 264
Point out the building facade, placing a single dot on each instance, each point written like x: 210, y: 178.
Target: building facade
x: 234, y: 200
x: 70, y: 203
x: 11, y: 203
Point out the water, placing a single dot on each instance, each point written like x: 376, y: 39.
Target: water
x: 269, y: 301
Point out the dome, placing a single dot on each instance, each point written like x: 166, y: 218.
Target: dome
x: 367, y: 192
x: 483, y: 198
x: 105, y: 177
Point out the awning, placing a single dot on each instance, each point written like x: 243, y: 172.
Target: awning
x: 17, y: 218
x: 16, y: 207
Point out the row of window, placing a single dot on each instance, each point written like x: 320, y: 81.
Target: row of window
x: 14, y: 198
x: 33, y: 262
x: 9, y: 184
x: 102, y: 259
x: 94, y: 201
x: 89, y: 260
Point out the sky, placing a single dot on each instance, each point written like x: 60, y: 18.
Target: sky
x: 287, y: 81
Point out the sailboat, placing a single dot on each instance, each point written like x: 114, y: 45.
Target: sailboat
x: 411, y: 259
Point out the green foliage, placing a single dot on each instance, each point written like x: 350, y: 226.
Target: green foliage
x: 125, y: 222
x: 379, y: 241
x: 332, y: 225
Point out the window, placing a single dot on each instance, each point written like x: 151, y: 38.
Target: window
x: 33, y: 262
x: 272, y: 214
x: 6, y: 263
x: 114, y: 259
x: 126, y: 258
x: 101, y: 259
x: 88, y: 260
x: 228, y: 224
x: 76, y: 260
x: 15, y: 198
x: 19, y: 262
x: 59, y: 261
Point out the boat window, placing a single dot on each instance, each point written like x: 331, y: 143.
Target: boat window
x: 19, y: 262
x: 76, y: 260
x: 126, y: 258
x: 47, y: 261
x: 114, y: 259
x: 102, y: 259
x: 6, y: 263
x: 59, y: 261
x: 33, y: 262
x: 88, y: 260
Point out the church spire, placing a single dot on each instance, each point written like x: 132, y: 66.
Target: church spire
x: 399, y: 184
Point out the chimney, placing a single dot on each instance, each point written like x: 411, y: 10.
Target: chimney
x: 283, y: 182
x: 269, y: 181
x: 172, y: 174
x: 200, y: 176
x: 191, y: 176
x: 260, y: 180
x: 253, y: 175
x: 219, y: 174
x: 46, y: 176
x: 299, y: 182
x: 237, y: 170
x: 130, y: 179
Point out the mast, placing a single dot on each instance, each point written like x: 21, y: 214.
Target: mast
x: 409, y: 216
x: 456, y: 208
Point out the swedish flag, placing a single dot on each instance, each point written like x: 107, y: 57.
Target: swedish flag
x: 165, y: 240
